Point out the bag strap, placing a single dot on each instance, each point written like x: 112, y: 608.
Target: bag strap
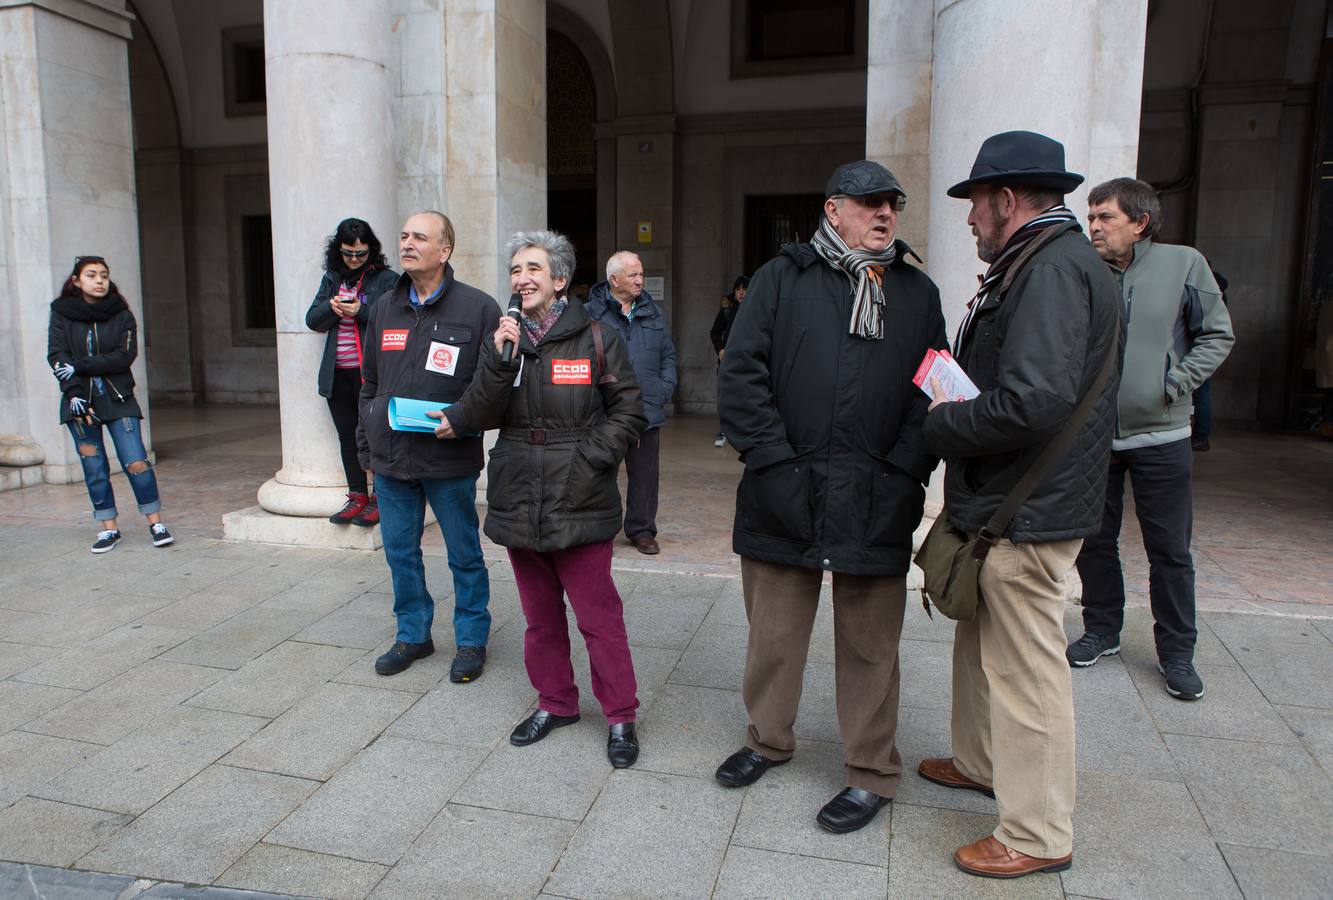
x: 605, y: 377
x: 1054, y: 450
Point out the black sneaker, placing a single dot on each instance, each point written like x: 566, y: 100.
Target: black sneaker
x: 1182, y: 682
x: 106, y: 541
x: 401, y: 655
x: 467, y: 664
x: 1091, y: 647
x: 159, y: 535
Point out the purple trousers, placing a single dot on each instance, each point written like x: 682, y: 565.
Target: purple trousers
x: 584, y: 574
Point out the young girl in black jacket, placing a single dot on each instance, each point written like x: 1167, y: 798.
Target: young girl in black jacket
x: 91, y: 342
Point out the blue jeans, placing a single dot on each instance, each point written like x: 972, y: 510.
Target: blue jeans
x: 402, y: 513
x: 97, y: 468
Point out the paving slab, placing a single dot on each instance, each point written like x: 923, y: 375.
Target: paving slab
x: 20, y: 880
x: 284, y: 870
x: 1286, y: 682
x: 109, y: 712
x: 199, y: 831
x: 76, y: 626
x: 1138, y: 646
x: 664, y: 620
x: 54, y: 834
x: 694, y: 730
x: 213, y: 604
x: 747, y: 873
x: 246, y: 635
x: 921, y: 858
x: 15, y: 658
x: 670, y: 861
x: 1261, y: 795
x: 1274, y: 875
x: 667, y: 584
x: 1113, y: 729
x: 1139, y: 838
x: 927, y: 674
x: 269, y: 685
x: 778, y: 813
x: 477, y: 714
x: 715, y: 658
x: 558, y: 777
x: 28, y: 760
x: 21, y: 703
x: 926, y: 733
x: 347, y: 627
x: 317, y: 736
x: 1231, y: 707
x: 423, y: 674
x: 1314, y: 727
x: 1238, y: 631
x: 471, y: 852
x: 105, y: 657
x: 144, y: 766
x: 380, y: 801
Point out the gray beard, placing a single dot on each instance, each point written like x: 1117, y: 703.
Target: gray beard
x: 987, y: 251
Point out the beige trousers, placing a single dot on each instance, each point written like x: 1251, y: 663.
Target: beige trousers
x: 1013, y: 701
x: 781, y: 602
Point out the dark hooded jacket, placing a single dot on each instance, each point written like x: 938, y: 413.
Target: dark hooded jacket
x: 321, y: 317
x: 100, y: 340
x: 551, y: 479
x: 827, y: 423
x: 648, y: 340
x: 1034, y: 353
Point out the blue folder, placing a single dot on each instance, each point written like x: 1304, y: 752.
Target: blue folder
x: 406, y: 414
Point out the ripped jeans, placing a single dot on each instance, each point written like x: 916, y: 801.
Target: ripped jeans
x: 97, y: 468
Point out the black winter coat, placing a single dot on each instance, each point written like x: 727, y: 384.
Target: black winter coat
x: 1034, y: 354
x: 397, y: 351
x: 551, y: 480
x: 828, y: 424
x: 110, y: 328
x: 321, y: 317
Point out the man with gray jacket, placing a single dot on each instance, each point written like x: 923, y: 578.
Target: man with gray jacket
x: 1179, y: 332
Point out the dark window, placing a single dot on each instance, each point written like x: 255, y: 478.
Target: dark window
x: 777, y: 219
x: 248, y: 60
x: 799, y: 29
x: 243, y: 70
x: 257, y: 269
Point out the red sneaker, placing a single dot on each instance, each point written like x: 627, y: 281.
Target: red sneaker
x: 348, y: 514
x: 369, y: 516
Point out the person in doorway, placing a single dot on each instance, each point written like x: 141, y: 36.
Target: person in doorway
x: 1178, y: 333
x: 355, y: 273
x: 567, y: 406
x: 91, y: 342
x: 422, y: 343
x: 621, y: 304
x: 721, y: 330
x: 817, y: 397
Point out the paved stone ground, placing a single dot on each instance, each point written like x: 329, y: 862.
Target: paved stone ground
x: 207, y: 715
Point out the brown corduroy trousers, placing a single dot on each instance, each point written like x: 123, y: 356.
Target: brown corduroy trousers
x: 781, y: 602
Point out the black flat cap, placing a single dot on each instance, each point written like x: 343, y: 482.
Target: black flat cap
x: 862, y: 179
x: 1019, y: 158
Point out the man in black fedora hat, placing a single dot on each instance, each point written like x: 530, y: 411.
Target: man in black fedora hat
x: 1034, y: 339
x: 816, y: 396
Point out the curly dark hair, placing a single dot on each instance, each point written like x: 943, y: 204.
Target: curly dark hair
x: 349, y: 231
x: 71, y: 286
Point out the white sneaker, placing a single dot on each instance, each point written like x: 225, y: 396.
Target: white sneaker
x: 720, y: 440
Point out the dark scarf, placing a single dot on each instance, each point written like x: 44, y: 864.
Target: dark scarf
x: 357, y: 277
x: 1056, y: 215
x: 537, y: 328
x: 865, y: 272
x: 80, y: 311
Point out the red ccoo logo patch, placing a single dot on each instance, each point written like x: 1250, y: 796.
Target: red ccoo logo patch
x: 571, y: 371
x: 393, y: 339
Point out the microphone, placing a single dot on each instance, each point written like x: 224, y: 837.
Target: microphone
x: 514, y: 311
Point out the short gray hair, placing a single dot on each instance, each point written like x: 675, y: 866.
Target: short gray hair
x: 559, y: 251
x: 1135, y: 198
x: 615, y: 264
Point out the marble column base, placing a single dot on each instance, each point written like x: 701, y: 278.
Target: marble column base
x: 12, y: 477
x: 19, y: 450
x: 257, y: 525
x: 311, y: 501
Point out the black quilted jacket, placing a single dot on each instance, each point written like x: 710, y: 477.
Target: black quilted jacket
x: 1033, y: 354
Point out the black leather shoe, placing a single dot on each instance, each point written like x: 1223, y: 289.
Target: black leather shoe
x: 401, y: 655
x: 537, y: 726
x: 467, y: 664
x: 850, y: 810
x: 745, y: 766
x: 622, y: 745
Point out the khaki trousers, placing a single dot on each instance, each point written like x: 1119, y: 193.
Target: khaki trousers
x: 1013, y: 701
x: 781, y: 602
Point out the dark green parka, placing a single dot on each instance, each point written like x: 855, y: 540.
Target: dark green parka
x: 551, y: 480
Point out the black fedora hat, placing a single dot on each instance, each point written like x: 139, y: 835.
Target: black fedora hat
x: 1019, y: 158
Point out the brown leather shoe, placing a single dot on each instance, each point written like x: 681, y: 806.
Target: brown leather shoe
x: 941, y: 770
x: 991, y: 859
x: 646, y: 545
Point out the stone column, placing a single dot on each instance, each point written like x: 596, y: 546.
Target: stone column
x: 66, y: 189
x: 324, y: 57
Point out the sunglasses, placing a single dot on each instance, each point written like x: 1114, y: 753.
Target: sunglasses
x: 354, y: 254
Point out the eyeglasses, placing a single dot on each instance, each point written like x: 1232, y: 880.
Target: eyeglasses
x: 354, y: 254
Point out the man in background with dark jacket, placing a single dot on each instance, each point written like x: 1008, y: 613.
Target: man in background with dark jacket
x: 1034, y: 351
x: 1178, y: 333
x: 817, y: 397
x: 621, y: 303
x: 422, y: 343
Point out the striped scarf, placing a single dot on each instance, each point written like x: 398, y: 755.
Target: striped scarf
x: 865, y: 272
x: 1012, y: 250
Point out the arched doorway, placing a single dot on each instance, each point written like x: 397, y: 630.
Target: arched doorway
x: 571, y: 152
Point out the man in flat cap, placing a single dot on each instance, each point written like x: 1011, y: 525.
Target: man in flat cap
x: 1040, y: 335
x: 817, y: 397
